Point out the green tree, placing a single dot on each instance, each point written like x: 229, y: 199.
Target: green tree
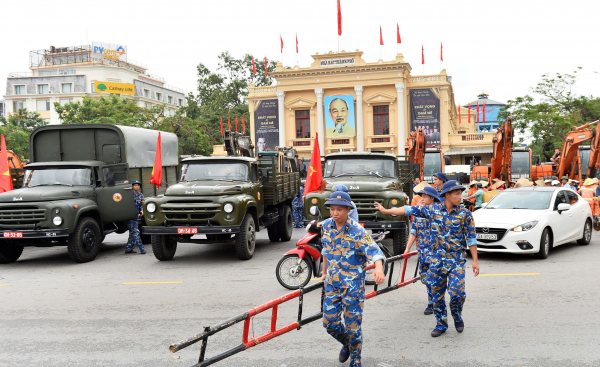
x: 16, y: 130
x: 26, y: 120
x: 551, y: 112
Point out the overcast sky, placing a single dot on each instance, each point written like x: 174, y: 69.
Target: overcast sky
x: 500, y: 47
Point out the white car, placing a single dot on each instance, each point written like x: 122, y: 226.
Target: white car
x: 532, y: 220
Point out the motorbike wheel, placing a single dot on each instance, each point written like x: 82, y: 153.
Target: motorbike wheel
x: 291, y: 274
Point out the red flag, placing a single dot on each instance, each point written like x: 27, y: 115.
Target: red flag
x: 281, y: 39
x: 339, y: 21
x: 266, y: 69
x: 229, y: 123
x: 222, y: 132
x: 398, y: 39
x: 315, y: 171
x: 459, y: 115
x: 469, y: 113
x: 477, y: 111
x: 422, y: 55
x: 156, y: 177
x: 380, y: 37
x: 441, y: 52
x: 253, y: 66
x: 296, y: 42
x: 243, y: 124
x: 6, y: 183
x: 483, y: 111
x: 236, y: 124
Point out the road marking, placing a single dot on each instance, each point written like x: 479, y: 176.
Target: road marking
x: 174, y: 282
x: 3, y: 285
x: 508, y: 274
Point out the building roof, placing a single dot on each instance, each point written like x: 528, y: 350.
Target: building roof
x: 470, y: 150
x: 487, y: 102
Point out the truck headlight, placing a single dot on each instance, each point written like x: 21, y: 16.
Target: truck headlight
x: 57, y: 221
x: 525, y: 226
x: 228, y: 208
x: 151, y: 207
x: 313, y: 210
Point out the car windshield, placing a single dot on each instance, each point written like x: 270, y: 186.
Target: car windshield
x: 521, y: 199
x: 359, y: 167
x: 58, y: 176
x: 223, y: 171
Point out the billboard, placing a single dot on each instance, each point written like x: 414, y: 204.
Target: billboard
x: 339, y: 116
x: 108, y: 51
x: 115, y: 88
x: 266, y: 125
x: 425, y: 114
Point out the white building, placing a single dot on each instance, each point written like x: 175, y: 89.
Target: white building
x: 66, y: 74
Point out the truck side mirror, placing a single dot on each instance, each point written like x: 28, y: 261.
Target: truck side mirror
x: 447, y: 161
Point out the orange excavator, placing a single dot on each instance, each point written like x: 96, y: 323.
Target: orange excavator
x: 16, y: 169
x: 570, y: 160
x: 594, y: 154
x: 429, y: 160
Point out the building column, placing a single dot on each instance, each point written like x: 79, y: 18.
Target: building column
x: 401, y: 128
x: 320, y: 122
x: 281, y: 117
x: 360, y: 129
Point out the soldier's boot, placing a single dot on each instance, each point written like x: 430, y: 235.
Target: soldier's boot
x: 344, y: 354
x: 437, y: 332
x: 459, y: 325
x: 428, y: 310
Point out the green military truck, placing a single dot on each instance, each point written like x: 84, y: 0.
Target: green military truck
x: 77, y: 188
x: 370, y: 177
x: 221, y: 197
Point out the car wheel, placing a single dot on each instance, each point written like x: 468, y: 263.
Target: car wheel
x: 545, y: 244
x: 587, y: 234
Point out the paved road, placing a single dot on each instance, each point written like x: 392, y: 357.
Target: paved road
x: 54, y: 312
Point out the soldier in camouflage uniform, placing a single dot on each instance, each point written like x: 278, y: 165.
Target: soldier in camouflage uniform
x: 347, y: 248
x: 298, y: 208
x: 134, y: 232
x: 451, y: 231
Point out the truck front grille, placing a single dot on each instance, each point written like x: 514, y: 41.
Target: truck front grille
x: 365, y: 206
x: 21, y: 217
x: 190, y: 211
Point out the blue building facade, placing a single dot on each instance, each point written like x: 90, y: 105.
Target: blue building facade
x: 491, y: 113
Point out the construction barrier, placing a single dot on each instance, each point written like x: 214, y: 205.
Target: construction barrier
x: 249, y: 342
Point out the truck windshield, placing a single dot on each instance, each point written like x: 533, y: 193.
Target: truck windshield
x: 359, y: 167
x: 224, y: 171
x: 517, y: 199
x: 584, y: 154
x: 58, y: 176
x: 432, y: 164
x: 520, y: 165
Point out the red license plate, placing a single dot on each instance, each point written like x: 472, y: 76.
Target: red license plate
x: 13, y: 234
x: 187, y: 230
x: 362, y: 224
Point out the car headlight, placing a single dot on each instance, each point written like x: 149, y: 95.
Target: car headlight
x: 151, y: 207
x: 228, y: 208
x: 313, y: 210
x: 525, y: 226
x: 57, y: 221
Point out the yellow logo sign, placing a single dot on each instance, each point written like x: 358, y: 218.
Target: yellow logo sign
x: 117, y: 197
x: 115, y: 88
x: 312, y: 170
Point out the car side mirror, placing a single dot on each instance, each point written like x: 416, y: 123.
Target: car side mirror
x: 563, y: 207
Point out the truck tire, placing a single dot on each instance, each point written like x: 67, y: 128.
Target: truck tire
x: 285, y: 224
x: 163, y: 247
x: 245, y: 241
x: 273, y: 232
x: 9, y: 252
x: 400, y: 238
x: 84, y: 243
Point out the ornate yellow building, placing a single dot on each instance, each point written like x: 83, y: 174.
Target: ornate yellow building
x: 358, y: 106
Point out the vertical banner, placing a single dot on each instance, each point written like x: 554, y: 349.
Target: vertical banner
x: 339, y: 116
x: 425, y: 114
x: 266, y: 125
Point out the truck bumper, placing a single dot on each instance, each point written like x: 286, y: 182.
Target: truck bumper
x: 162, y: 230
x: 28, y: 234
x: 379, y: 225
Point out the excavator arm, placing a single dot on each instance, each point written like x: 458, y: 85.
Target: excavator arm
x: 415, y: 149
x: 573, y: 139
x: 594, y: 163
x: 502, y: 155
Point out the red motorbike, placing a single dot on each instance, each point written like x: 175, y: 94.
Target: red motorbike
x: 300, y: 264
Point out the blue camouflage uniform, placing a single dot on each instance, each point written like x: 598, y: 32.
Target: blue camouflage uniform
x: 347, y: 252
x: 420, y: 229
x: 134, y: 232
x: 449, y: 235
x: 298, y: 209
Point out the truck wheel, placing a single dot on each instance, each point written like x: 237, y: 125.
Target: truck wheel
x: 164, y: 247
x: 10, y: 252
x: 285, y: 224
x: 273, y: 232
x: 400, y: 239
x: 84, y: 243
x: 245, y: 241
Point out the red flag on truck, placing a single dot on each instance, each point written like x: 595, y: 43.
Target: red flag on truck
x: 315, y: 171
x: 156, y: 178
x: 222, y: 132
x: 6, y: 183
x: 243, y: 124
x: 236, y: 124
